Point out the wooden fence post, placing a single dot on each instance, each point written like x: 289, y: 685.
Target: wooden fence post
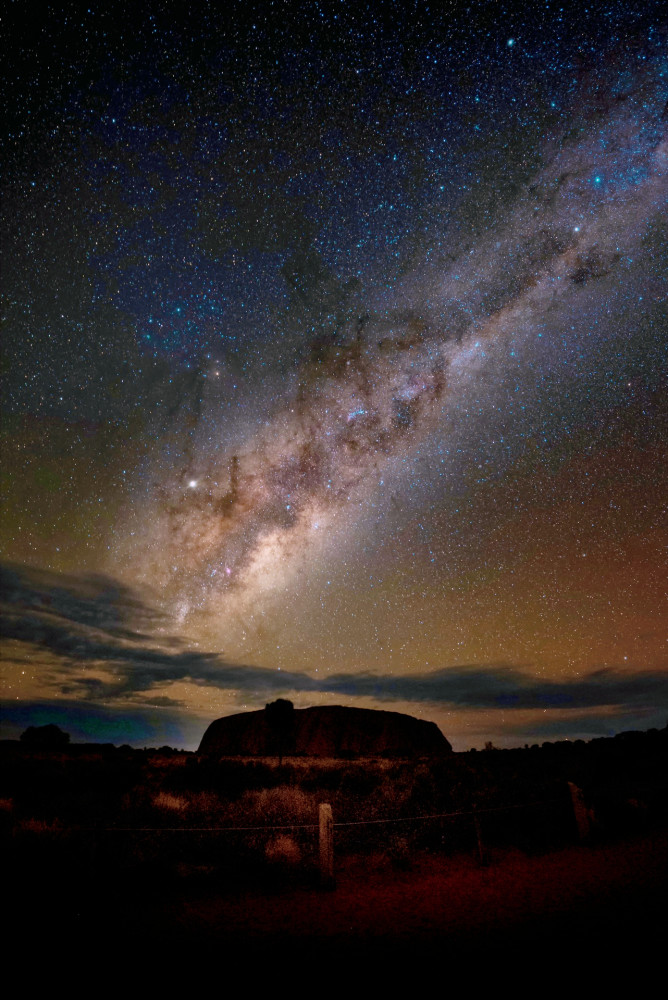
x: 326, y: 846
x: 582, y: 815
x: 482, y: 857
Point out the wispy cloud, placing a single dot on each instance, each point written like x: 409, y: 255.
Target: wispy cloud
x: 508, y: 687
x: 95, y: 620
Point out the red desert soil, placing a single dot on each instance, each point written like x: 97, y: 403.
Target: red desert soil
x: 444, y: 898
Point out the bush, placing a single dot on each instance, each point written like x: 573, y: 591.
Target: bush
x: 45, y: 737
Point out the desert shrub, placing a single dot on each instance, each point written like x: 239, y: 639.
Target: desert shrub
x: 425, y: 795
x: 283, y: 850
x: 277, y: 806
x: 39, y: 827
x: 391, y: 797
x: 358, y: 782
x: 228, y: 777
x: 207, y: 807
x: 399, y: 852
x: 170, y: 803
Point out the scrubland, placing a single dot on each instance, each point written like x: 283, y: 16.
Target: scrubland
x: 162, y: 838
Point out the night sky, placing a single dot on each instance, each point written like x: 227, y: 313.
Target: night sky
x: 334, y: 365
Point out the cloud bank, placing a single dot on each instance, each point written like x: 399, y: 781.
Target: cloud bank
x: 96, y: 621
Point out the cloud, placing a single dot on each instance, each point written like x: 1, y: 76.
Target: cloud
x: 93, y: 602
x: 585, y: 725
x: 95, y: 620
x: 507, y: 687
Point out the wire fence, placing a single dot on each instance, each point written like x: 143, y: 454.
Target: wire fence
x: 312, y: 845
x: 256, y: 853
x: 268, y: 828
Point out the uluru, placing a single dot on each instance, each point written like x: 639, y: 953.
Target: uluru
x: 322, y: 731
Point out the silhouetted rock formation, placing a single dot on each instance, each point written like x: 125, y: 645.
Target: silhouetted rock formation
x: 326, y: 731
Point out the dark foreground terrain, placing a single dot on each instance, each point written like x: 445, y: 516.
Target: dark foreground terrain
x: 112, y: 856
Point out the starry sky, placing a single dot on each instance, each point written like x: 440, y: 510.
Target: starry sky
x: 334, y: 365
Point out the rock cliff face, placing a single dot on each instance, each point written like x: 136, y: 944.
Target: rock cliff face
x: 324, y: 731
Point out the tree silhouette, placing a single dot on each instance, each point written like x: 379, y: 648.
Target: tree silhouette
x: 45, y: 737
x: 280, y: 716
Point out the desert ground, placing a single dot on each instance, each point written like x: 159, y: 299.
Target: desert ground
x: 148, y: 853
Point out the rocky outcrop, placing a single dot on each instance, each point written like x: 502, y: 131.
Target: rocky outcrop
x: 324, y: 731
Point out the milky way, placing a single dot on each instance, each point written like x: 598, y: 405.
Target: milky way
x: 370, y: 394
x: 336, y: 343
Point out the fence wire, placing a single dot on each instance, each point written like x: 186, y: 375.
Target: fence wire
x: 315, y: 826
